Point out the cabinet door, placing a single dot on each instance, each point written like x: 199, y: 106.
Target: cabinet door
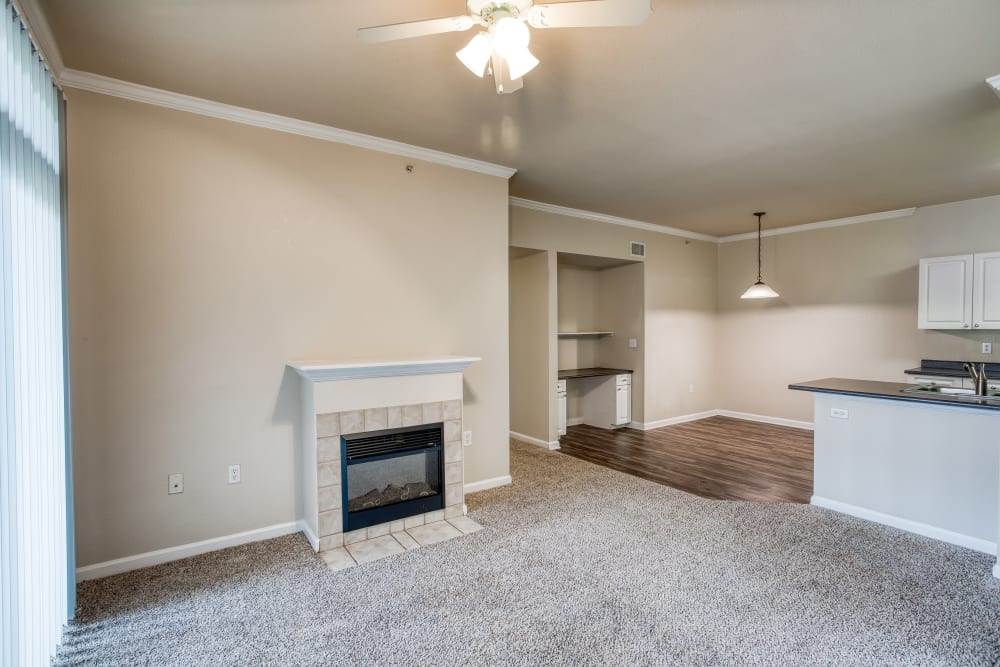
x: 623, y: 405
x: 986, y: 291
x: 945, y: 293
x: 562, y: 414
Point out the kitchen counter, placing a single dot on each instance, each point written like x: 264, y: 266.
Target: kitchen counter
x: 952, y: 369
x: 573, y: 373
x: 925, y: 463
x: 891, y: 391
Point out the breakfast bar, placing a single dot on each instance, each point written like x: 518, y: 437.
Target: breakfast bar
x: 909, y: 456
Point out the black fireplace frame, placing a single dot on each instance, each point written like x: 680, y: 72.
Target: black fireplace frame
x: 377, y: 515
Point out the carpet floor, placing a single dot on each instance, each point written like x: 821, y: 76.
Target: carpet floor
x: 578, y: 564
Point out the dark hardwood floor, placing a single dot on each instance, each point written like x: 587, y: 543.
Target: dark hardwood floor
x: 717, y: 457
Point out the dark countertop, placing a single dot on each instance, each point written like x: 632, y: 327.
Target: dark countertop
x: 571, y: 373
x: 952, y: 369
x: 890, y: 391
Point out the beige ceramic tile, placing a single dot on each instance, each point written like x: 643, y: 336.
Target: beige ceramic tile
x: 327, y: 425
x: 452, y: 430
x: 465, y: 524
x: 378, y: 531
x: 355, y: 536
x: 453, y: 494
x: 380, y: 547
x: 412, y: 415
x: 394, y: 417
x: 331, y: 541
x: 453, y: 511
x: 451, y: 410
x: 431, y: 412
x: 452, y: 452
x: 413, y: 521
x: 328, y: 474
x: 408, y: 542
x: 396, y: 526
x: 330, y: 498
x: 330, y: 523
x: 328, y: 449
x: 433, y: 533
x: 376, y: 419
x: 431, y: 517
x: 338, y: 559
x: 352, y: 422
x: 453, y: 472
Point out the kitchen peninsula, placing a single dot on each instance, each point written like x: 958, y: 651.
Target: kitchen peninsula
x: 910, y: 457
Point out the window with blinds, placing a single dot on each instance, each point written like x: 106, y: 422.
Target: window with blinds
x: 35, y: 544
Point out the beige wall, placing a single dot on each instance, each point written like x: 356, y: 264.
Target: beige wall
x: 204, y: 255
x: 620, y: 295
x: 848, y: 305
x: 530, y: 389
x: 678, y: 341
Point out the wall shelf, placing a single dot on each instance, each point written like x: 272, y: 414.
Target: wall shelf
x: 584, y: 334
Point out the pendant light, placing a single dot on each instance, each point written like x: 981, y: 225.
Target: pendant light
x: 759, y: 290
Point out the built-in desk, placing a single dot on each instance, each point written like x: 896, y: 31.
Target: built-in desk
x: 605, y: 395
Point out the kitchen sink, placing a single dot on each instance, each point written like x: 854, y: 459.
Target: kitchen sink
x: 954, y: 392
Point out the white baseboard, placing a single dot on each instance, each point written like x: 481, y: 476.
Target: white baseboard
x: 670, y: 421
x: 967, y: 541
x: 534, y: 441
x: 119, y: 565
x: 778, y: 421
x: 491, y: 483
x: 313, y: 539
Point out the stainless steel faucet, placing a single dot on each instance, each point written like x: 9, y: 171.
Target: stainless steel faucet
x: 978, y: 377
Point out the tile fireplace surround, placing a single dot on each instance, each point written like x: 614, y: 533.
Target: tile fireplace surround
x: 357, y: 397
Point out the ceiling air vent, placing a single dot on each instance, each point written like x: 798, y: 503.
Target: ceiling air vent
x: 637, y: 249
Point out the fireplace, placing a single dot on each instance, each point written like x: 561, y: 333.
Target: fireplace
x: 392, y: 474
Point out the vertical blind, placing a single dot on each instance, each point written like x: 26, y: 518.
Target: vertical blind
x: 34, y: 542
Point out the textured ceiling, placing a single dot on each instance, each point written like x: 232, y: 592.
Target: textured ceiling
x: 712, y: 109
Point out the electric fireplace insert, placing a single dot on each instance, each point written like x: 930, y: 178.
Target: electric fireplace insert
x: 392, y: 474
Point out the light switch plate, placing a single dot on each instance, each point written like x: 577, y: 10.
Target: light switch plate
x: 839, y: 413
x: 175, y: 483
x: 633, y: 343
x: 467, y: 438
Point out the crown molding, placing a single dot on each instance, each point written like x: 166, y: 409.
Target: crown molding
x: 609, y: 219
x: 41, y: 34
x: 104, y: 85
x: 673, y: 231
x: 839, y: 222
x: 994, y: 83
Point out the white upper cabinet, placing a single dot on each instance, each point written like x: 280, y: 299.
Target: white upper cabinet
x: 960, y: 292
x: 945, y: 293
x: 986, y: 291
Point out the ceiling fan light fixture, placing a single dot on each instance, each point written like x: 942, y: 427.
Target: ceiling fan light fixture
x: 520, y: 63
x: 476, y: 54
x: 510, y: 36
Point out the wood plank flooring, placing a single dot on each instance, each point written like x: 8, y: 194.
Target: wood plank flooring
x: 717, y: 457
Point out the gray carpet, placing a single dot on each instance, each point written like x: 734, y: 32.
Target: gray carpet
x: 578, y: 565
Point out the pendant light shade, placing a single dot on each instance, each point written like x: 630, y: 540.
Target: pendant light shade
x: 759, y: 290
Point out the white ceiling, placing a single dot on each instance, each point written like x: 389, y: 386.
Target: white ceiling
x: 711, y: 110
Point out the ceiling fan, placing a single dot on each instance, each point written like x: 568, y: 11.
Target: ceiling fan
x: 501, y: 46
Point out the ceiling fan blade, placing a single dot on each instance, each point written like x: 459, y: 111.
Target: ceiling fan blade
x: 589, y: 14
x: 386, y: 33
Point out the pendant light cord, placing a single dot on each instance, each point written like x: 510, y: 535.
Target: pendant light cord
x: 759, y: 256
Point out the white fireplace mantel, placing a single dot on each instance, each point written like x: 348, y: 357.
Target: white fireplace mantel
x: 320, y: 371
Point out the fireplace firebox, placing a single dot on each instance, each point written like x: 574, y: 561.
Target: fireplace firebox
x: 392, y: 474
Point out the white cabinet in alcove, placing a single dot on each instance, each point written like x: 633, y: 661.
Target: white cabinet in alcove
x: 960, y: 292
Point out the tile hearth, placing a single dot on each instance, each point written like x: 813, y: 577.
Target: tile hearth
x: 397, y: 542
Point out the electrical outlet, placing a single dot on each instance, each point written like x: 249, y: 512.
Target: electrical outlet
x: 234, y: 474
x: 839, y: 413
x: 175, y: 483
x: 633, y: 343
x: 987, y: 348
x: 467, y: 438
